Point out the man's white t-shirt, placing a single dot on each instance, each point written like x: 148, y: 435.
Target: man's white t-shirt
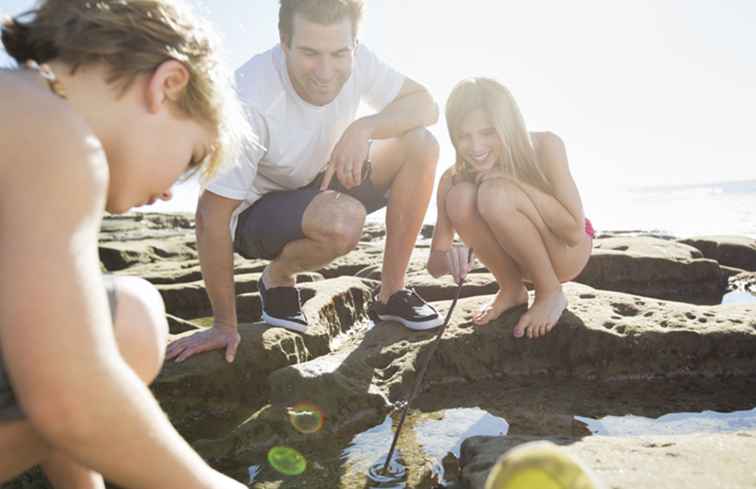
x: 296, y: 138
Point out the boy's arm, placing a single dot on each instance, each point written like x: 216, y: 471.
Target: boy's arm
x: 55, y: 328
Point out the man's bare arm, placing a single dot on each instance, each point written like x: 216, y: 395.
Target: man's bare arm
x: 217, y: 262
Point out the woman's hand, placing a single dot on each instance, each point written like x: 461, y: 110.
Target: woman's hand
x: 454, y: 261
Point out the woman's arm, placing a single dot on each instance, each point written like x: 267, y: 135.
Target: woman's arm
x: 55, y: 329
x: 443, y: 231
x: 563, y: 211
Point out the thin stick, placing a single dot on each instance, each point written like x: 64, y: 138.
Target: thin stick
x: 428, y: 357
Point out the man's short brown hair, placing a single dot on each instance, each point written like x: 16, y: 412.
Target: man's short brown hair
x: 325, y: 12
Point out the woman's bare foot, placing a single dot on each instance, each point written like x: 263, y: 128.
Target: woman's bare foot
x: 542, y: 315
x: 501, y: 303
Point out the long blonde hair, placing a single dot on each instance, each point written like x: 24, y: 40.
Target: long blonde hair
x: 519, y: 158
x: 133, y: 38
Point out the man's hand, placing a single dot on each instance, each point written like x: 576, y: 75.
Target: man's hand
x: 348, y: 157
x: 215, y: 338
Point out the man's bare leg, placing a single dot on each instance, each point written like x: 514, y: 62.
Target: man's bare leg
x: 141, y: 332
x: 332, y: 225
x: 408, y: 166
x: 520, y: 230
x: 462, y: 209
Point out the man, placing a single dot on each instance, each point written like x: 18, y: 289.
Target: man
x: 301, y: 199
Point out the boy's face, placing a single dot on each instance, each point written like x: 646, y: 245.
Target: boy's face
x: 319, y: 58
x: 152, y: 156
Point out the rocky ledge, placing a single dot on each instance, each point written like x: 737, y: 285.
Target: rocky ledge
x: 645, y: 307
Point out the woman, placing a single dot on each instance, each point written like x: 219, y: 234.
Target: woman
x: 110, y: 103
x: 511, y: 197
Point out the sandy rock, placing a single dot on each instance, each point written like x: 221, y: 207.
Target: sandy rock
x: 603, y: 336
x: 663, y: 277
x: 733, y: 251
x: 698, y: 461
x: 648, y: 246
x: 204, y: 389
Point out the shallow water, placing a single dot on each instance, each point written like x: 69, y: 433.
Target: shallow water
x: 428, y: 451
x: 739, y: 297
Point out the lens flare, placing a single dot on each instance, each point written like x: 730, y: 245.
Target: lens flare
x: 287, y: 461
x: 306, y: 417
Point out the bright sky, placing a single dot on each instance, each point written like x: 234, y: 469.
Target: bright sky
x: 642, y: 92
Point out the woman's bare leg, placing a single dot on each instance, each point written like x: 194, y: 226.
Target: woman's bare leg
x: 462, y: 209
x: 141, y: 332
x: 542, y: 256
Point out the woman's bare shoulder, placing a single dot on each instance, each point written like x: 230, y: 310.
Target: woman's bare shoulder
x: 549, y: 149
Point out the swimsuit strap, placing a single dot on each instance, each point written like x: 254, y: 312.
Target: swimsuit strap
x: 49, y: 75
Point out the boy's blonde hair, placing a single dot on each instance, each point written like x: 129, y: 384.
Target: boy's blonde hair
x: 518, y: 159
x: 133, y: 38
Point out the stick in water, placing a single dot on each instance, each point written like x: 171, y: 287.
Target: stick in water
x: 428, y: 357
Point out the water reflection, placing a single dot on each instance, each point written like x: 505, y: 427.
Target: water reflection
x: 441, y: 439
x: 439, y: 436
x: 672, y: 424
x: 739, y: 297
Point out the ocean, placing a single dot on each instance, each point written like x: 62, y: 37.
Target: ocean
x: 721, y: 208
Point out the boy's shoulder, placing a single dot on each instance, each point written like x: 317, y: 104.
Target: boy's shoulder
x: 45, y: 141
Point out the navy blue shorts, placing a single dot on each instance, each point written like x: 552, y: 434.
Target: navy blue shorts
x: 9, y: 408
x: 276, y: 218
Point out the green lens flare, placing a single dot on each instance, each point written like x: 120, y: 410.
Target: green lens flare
x: 287, y: 460
x: 306, y: 418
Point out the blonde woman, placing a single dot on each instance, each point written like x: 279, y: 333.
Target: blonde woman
x: 511, y: 197
x: 110, y: 103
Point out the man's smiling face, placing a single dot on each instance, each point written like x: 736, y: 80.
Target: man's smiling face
x: 319, y: 58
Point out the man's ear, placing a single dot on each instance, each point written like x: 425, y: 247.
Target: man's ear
x: 284, y: 41
x: 166, y: 84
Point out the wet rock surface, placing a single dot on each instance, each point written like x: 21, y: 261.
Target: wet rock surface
x: 664, y: 462
x: 645, y: 309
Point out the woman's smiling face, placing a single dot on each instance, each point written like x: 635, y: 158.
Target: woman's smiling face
x: 478, y: 142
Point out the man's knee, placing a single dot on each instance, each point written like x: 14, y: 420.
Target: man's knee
x: 141, y: 328
x: 347, y: 227
x: 461, y: 203
x: 421, y: 146
x: 338, y: 222
x: 498, y: 198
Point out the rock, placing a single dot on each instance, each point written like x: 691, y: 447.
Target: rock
x: 648, y: 246
x: 190, y: 300
x: 367, y: 260
x: 177, y: 325
x: 663, y: 277
x: 698, y: 461
x: 444, y: 288
x: 733, y: 251
x: 604, y: 336
x: 199, y: 393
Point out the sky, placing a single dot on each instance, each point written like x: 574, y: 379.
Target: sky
x: 647, y: 92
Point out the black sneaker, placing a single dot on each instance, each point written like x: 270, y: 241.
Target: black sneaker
x: 408, y: 308
x: 281, y: 307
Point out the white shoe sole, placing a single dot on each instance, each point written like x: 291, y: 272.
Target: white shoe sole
x: 283, y: 323
x: 413, y: 325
